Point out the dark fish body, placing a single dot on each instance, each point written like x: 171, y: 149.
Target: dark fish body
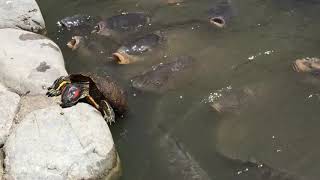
x: 143, y: 44
x: 78, y: 22
x: 164, y: 76
x: 183, y: 165
x: 134, y: 50
x: 232, y: 100
x: 123, y: 23
x: 180, y: 162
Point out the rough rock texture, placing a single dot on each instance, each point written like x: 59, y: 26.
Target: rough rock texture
x: 32, y: 103
x: 29, y: 62
x: 56, y: 143
x: 9, y: 103
x: 22, y: 14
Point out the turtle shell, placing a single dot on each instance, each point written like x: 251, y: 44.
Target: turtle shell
x: 104, y: 88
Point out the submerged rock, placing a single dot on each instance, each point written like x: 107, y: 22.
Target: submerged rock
x: 21, y: 14
x: 29, y: 62
x: 9, y: 103
x: 56, y: 143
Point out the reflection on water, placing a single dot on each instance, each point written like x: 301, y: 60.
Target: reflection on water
x: 280, y: 129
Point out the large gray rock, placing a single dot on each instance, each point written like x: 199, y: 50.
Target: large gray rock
x: 9, y: 103
x: 56, y: 143
x: 29, y: 62
x: 31, y: 103
x: 22, y: 14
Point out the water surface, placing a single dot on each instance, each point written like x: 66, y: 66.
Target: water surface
x: 257, y: 47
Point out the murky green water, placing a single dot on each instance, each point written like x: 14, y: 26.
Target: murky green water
x: 281, y: 129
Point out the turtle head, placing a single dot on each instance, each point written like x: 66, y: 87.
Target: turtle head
x: 72, y: 93
x: 58, y: 85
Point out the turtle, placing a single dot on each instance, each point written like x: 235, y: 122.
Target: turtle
x: 101, y: 92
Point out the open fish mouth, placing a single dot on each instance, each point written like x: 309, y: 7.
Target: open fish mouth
x: 121, y: 58
x: 74, y: 43
x: 218, y: 21
x: 101, y: 28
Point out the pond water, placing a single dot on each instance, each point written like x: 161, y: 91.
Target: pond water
x: 177, y: 135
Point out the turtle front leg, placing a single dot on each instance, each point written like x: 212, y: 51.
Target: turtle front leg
x: 107, y: 112
x: 104, y: 107
x: 56, y: 88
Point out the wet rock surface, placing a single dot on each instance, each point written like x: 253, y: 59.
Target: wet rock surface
x: 9, y: 103
x: 21, y: 14
x: 56, y: 143
x: 29, y: 62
